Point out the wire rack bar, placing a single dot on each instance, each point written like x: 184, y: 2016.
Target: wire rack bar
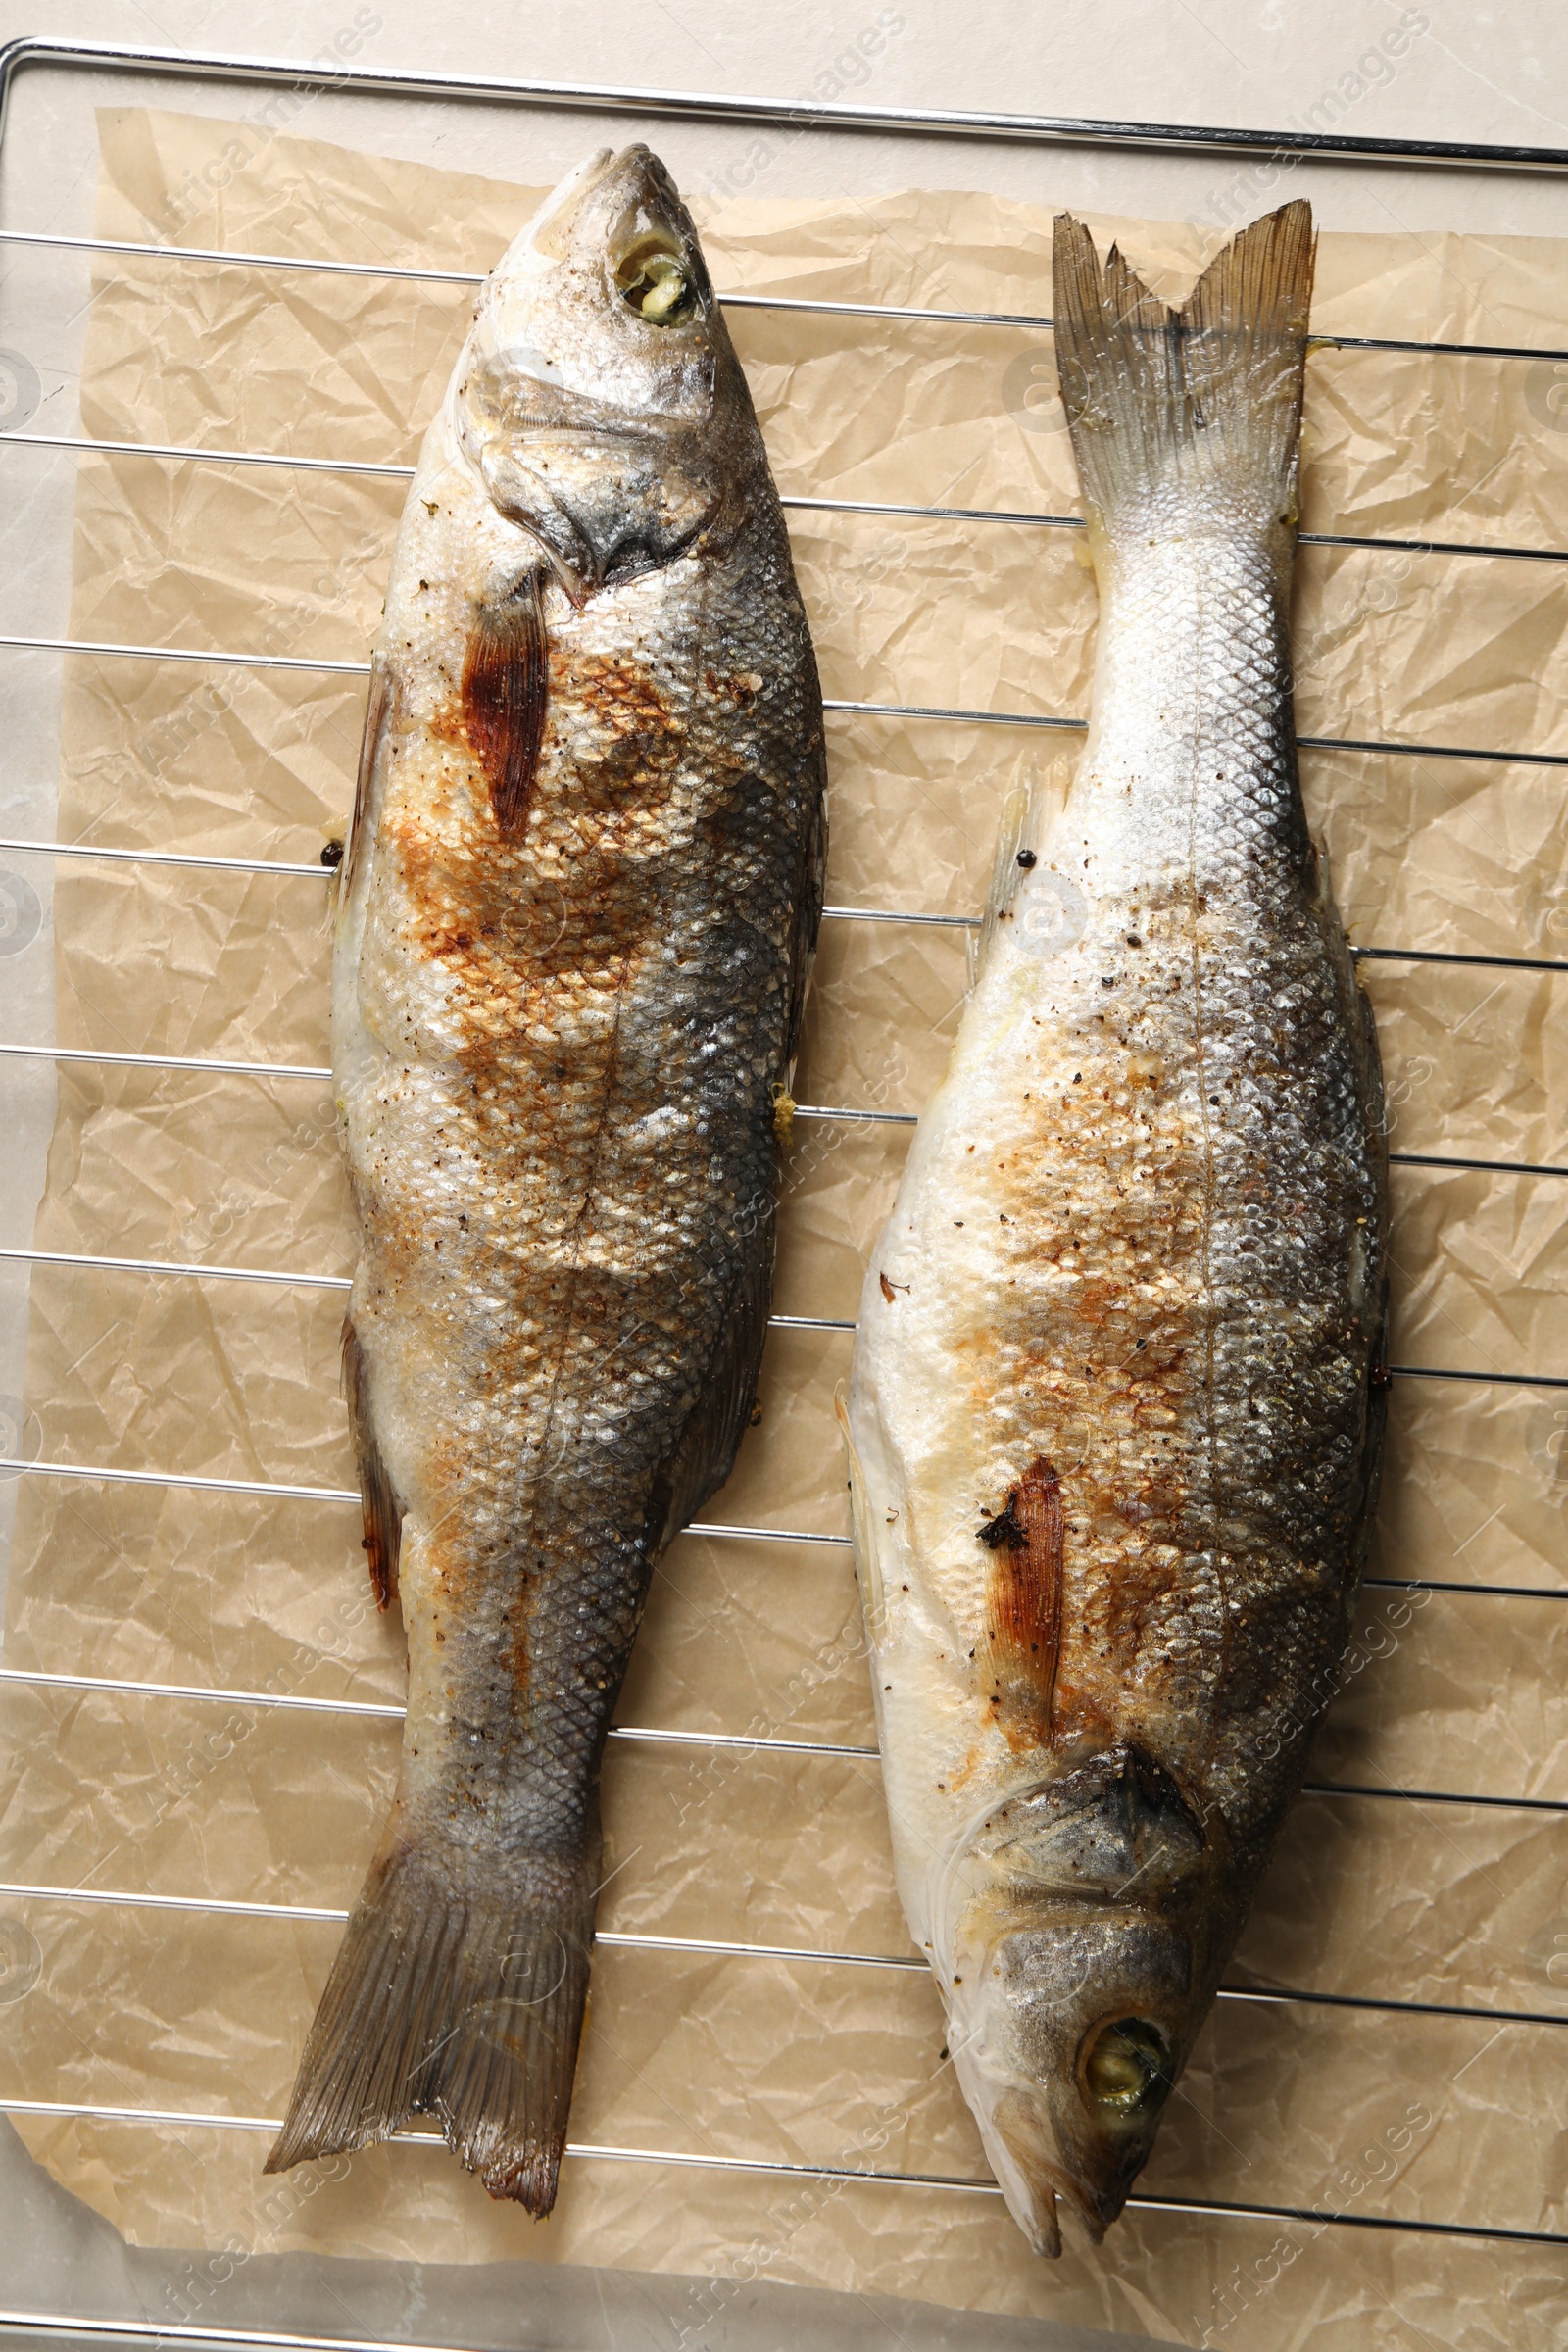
x: 857, y: 1118
x: 22, y: 1465
x: 220, y: 1906
x: 161, y: 2332
x: 238, y: 259
x: 162, y: 1265
x: 52, y: 2323
x: 89, y: 446
x: 744, y: 1742
x: 1436, y: 1584
x: 1031, y: 322
x: 795, y: 501
x: 1490, y: 964
x: 1436, y: 1796
x: 834, y: 1323
x: 650, y: 1735
x: 700, y: 2160
x: 820, y: 306
x: 289, y: 1493
x: 796, y: 114
x: 846, y: 1114
x: 181, y: 653
x: 18, y: 1464
x: 784, y: 113
x: 1485, y: 1167
x: 391, y: 1710
x: 197, y: 2119
x: 726, y: 1948
x: 195, y: 1062
x: 1290, y: 1996
x: 1346, y: 2221
x: 1426, y: 750
x: 1405, y: 1160
x: 22, y: 847
x: 844, y: 708
x: 289, y: 1280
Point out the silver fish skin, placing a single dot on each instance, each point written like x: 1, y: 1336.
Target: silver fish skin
x: 1115, y: 1407
x: 575, y: 920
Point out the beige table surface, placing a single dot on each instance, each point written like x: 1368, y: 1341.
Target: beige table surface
x: 1496, y: 73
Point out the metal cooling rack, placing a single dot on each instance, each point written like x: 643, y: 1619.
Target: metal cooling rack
x: 1036, y: 130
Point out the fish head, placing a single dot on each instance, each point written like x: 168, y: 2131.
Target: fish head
x: 1083, y: 1959
x: 599, y: 396
x: 606, y: 293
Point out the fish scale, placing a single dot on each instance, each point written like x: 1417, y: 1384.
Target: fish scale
x: 1114, y: 1420
x: 576, y: 913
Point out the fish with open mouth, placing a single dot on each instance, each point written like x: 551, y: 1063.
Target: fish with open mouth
x: 1115, y: 1407
x: 574, y: 924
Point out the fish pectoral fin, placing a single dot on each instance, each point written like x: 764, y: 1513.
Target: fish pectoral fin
x: 377, y: 715
x: 459, y: 1990
x: 383, y: 1512
x: 867, y: 1560
x: 506, y: 686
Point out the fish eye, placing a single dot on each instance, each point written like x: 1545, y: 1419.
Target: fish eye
x: 1127, y: 2066
x: 658, y: 285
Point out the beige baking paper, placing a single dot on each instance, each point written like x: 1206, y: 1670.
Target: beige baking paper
x: 797, y: 2063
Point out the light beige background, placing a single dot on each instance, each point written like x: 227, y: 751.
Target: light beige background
x: 1439, y: 1714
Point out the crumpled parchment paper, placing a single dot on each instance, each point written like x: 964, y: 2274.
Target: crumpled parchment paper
x: 797, y: 2063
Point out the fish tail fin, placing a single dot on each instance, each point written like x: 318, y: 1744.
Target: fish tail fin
x: 1210, y: 391
x: 459, y: 1990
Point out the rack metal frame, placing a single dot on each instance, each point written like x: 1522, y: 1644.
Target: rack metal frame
x: 1039, y: 130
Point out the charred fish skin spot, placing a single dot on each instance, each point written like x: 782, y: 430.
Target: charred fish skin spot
x: 578, y: 903
x: 1146, y: 1305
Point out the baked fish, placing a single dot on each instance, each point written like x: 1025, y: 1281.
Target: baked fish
x: 1116, y: 1398
x: 575, y: 918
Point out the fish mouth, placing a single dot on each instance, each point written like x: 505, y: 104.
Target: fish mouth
x: 551, y: 223
x: 1035, y: 2181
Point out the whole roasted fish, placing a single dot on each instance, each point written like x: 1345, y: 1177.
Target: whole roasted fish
x: 1116, y: 1398
x: 576, y: 920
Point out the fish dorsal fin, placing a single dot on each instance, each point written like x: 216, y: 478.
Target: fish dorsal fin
x: 505, y: 679
x: 867, y: 1559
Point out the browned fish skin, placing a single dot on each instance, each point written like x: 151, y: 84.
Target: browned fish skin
x: 577, y: 912
x: 1117, y: 1409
